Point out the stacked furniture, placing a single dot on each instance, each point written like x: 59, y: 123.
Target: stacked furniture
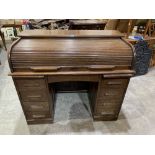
x: 87, y: 24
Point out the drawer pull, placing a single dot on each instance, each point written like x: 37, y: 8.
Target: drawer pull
x: 34, y: 96
x: 107, y: 113
x: 103, y: 105
x: 45, y: 68
x: 36, y: 107
x: 38, y: 116
x: 114, y: 83
x: 110, y: 94
x: 107, y: 103
x: 30, y: 85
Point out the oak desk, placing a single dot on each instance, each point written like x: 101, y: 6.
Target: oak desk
x: 43, y: 61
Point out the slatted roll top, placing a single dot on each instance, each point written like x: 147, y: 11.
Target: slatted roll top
x: 70, y: 50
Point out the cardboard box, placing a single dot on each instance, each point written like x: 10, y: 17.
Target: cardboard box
x: 8, y: 33
x: 7, y: 21
x: 18, y: 22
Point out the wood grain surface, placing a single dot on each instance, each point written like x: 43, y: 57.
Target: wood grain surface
x: 60, y: 52
x: 69, y: 33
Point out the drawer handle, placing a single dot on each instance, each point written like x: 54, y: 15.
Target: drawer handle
x: 34, y: 96
x: 107, y: 103
x: 38, y: 116
x: 45, y: 68
x: 29, y: 85
x: 110, y: 94
x: 103, y: 104
x: 107, y: 113
x: 114, y: 83
x: 36, y: 107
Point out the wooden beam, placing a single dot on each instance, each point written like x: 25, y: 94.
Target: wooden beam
x: 129, y: 28
x: 147, y: 27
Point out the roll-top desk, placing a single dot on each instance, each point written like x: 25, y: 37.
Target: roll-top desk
x: 100, y: 61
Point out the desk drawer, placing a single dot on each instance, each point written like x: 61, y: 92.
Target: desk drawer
x: 115, y: 83
x: 63, y: 78
x: 36, y: 106
x: 107, y: 107
x: 37, y: 115
x: 112, y: 89
x: 30, y: 84
x: 111, y: 93
x: 34, y: 96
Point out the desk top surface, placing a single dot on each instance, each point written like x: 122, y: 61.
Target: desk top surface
x: 69, y: 33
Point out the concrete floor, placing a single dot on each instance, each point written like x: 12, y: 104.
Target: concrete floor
x: 137, y: 115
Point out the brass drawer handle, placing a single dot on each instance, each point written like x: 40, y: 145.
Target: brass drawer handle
x: 107, y: 113
x: 110, y: 94
x: 34, y: 96
x: 38, y: 116
x: 114, y: 83
x: 31, y: 84
x: 36, y: 107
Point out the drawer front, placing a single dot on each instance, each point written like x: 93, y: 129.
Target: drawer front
x: 111, y: 93
x: 63, y: 78
x: 107, y: 108
x: 114, y: 83
x: 30, y: 84
x: 37, y: 115
x: 108, y: 102
x: 36, y: 106
x: 34, y: 96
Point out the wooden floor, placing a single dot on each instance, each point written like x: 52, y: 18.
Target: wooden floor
x: 137, y: 115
